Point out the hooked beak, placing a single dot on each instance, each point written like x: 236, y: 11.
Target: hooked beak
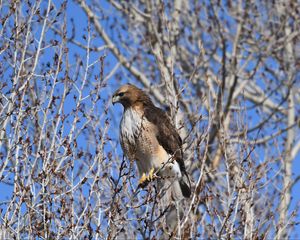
x: 115, y: 99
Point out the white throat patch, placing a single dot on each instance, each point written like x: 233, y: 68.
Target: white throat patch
x: 130, y: 126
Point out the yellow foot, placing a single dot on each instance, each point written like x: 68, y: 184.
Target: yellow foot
x: 151, y: 175
x: 144, y: 180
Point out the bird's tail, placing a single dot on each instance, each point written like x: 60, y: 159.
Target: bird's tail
x: 176, y: 189
x: 174, y: 192
x: 185, y: 185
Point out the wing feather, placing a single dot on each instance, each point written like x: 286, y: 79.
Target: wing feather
x: 167, y: 135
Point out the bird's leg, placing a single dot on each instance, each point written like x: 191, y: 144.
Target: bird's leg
x: 145, y: 179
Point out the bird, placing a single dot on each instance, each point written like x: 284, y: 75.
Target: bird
x: 149, y: 138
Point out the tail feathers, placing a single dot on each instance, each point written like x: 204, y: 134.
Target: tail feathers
x: 175, y: 190
x: 185, y: 189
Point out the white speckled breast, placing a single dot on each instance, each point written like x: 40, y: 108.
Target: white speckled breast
x: 130, y: 125
x: 137, y: 139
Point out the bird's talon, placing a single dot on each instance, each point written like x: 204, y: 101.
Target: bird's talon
x: 151, y: 175
x: 143, y: 179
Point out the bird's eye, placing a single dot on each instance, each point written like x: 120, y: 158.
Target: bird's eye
x: 121, y: 94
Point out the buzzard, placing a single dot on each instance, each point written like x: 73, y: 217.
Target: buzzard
x: 148, y: 137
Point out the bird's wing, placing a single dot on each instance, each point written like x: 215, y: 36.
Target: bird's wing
x: 166, y: 134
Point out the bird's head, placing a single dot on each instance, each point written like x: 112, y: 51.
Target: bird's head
x: 127, y: 95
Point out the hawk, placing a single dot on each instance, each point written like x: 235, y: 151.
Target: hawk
x: 148, y: 137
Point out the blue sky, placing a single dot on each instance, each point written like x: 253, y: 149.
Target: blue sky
x: 80, y: 21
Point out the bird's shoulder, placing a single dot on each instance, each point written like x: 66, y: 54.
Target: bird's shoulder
x: 166, y: 132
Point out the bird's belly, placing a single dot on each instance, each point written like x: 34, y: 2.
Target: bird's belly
x: 150, y: 155
x: 145, y: 156
x: 144, y: 164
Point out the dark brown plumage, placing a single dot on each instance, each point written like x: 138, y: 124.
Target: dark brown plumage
x: 148, y: 136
